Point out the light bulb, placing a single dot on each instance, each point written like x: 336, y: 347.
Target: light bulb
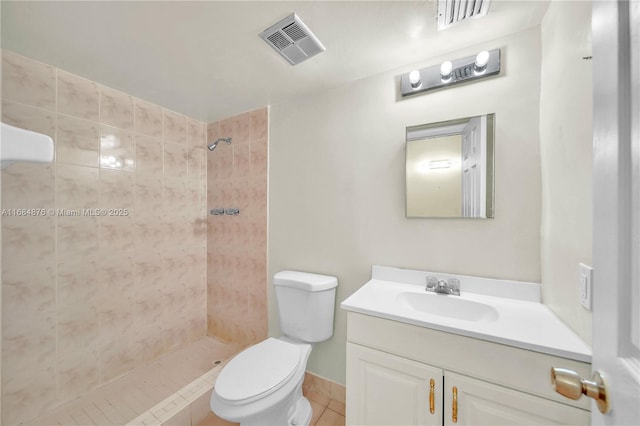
x: 414, y: 79
x: 482, y: 59
x: 445, y: 70
x: 440, y: 164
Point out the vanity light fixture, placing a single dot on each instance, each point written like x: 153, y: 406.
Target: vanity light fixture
x: 446, y: 70
x: 486, y: 63
x: 439, y: 164
x: 480, y: 65
x: 426, y: 166
x: 414, y: 79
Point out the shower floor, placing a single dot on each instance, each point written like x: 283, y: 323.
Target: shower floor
x: 131, y: 395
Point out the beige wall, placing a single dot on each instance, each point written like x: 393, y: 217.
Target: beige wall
x: 566, y: 151
x: 237, y: 245
x: 85, y: 299
x: 336, y: 183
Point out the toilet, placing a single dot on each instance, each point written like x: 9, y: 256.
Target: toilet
x: 262, y: 385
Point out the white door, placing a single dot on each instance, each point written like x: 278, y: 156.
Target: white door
x: 384, y: 389
x: 474, y: 168
x: 473, y: 402
x: 616, y: 237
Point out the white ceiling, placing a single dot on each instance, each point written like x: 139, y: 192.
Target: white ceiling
x: 205, y: 59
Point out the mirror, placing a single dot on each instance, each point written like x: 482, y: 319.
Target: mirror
x: 450, y: 168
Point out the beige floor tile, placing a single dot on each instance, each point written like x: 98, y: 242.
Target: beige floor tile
x: 337, y: 406
x: 317, y: 412
x: 213, y: 420
x: 330, y: 418
x: 127, y: 397
x: 316, y: 397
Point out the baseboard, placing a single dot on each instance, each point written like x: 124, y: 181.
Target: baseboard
x: 323, y: 386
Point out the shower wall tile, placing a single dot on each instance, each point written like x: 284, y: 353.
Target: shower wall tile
x: 116, y: 317
x: 77, y: 187
x: 226, y: 128
x: 76, y: 281
x: 78, y: 96
x: 27, y: 81
x: 116, y: 108
x: 27, y: 240
x: 148, y: 198
x: 241, y: 129
x: 29, y: 287
x: 28, y: 185
x: 147, y: 342
x: 116, y: 189
x: 175, y: 128
x: 241, y: 161
x: 174, y: 333
x: 149, y: 235
x: 197, y: 202
x: 30, y: 326
x: 197, y: 163
x: 112, y: 270
x: 115, y: 235
x: 196, y: 134
x: 76, y: 236
x: 258, y: 166
x: 116, y: 358
x: 148, y: 119
x: 77, y: 142
x: 175, y: 160
x: 117, y: 149
x: 27, y: 117
x: 149, y: 156
x: 237, y: 245
x: 224, y: 153
x: 78, y: 373
x: 197, y: 321
x: 259, y: 124
x: 147, y: 310
x: 78, y: 330
x: 33, y: 392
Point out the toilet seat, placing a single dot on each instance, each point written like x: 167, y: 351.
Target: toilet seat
x: 258, y: 371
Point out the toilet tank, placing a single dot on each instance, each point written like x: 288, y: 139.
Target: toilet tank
x: 305, y: 304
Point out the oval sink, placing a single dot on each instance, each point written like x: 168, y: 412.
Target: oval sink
x: 448, y: 306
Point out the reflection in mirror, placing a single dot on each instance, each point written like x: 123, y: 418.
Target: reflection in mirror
x: 449, y: 168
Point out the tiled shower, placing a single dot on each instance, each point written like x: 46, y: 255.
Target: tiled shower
x: 111, y: 269
x: 237, y: 245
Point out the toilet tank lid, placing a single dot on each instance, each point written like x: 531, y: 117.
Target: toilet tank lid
x: 304, y: 281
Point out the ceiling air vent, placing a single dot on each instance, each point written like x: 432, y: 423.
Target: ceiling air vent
x: 292, y: 39
x: 451, y: 12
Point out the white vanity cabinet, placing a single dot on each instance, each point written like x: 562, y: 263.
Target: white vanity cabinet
x: 478, y: 402
x: 402, y: 374
x: 385, y: 389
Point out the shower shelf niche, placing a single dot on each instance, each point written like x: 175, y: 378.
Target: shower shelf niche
x: 18, y: 144
x: 221, y: 212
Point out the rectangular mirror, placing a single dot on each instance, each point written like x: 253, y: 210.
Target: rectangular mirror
x: 449, y: 168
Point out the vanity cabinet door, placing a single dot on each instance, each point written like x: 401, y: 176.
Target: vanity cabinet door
x: 481, y: 403
x: 384, y: 389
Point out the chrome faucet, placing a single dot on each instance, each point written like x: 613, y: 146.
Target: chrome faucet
x: 451, y: 286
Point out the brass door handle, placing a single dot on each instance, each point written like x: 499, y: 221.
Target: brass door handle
x: 570, y: 384
x: 432, y: 403
x: 454, y: 407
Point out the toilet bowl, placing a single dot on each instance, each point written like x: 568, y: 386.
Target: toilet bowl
x: 262, y: 385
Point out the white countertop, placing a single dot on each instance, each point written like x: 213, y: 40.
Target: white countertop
x: 521, y: 323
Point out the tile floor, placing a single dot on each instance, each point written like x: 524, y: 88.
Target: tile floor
x: 128, y: 396
x: 326, y: 412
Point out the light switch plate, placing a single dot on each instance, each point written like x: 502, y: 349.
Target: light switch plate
x: 585, y: 285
